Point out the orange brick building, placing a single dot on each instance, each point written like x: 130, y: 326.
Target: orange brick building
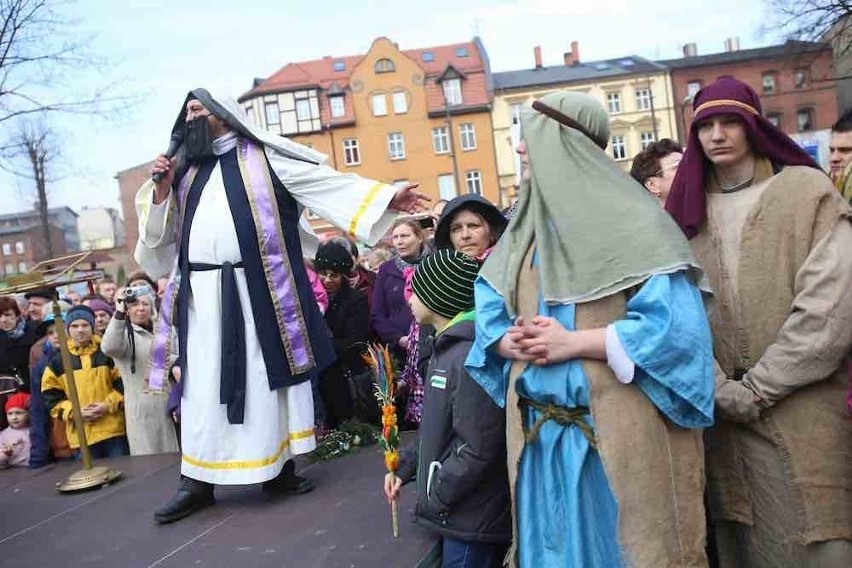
x: 420, y: 116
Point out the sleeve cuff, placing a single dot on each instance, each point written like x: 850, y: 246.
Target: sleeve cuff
x: 617, y: 358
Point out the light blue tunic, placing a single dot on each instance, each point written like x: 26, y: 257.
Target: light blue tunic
x: 567, y: 514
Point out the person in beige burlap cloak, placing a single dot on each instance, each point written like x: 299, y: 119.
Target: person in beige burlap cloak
x: 592, y: 333
x: 773, y: 236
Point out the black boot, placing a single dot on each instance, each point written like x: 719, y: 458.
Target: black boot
x: 287, y: 482
x: 191, y: 496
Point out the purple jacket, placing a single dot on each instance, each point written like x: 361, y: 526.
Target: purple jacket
x: 390, y: 316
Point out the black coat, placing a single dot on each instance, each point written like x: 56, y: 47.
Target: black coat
x: 15, y: 354
x: 462, y: 484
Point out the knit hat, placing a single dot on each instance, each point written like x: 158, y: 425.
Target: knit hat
x: 444, y: 282
x: 333, y: 256
x: 80, y: 313
x: 18, y: 400
x: 98, y: 305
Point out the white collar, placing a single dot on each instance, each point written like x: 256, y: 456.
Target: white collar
x: 225, y: 143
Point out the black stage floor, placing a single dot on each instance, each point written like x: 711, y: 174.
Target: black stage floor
x: 344, y: 522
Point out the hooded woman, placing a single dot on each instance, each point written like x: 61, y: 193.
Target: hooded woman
x: 773, y: 235
x: 591, y: 332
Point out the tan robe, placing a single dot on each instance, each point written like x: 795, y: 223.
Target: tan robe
x: 784, y: 314
x: 655, y: 469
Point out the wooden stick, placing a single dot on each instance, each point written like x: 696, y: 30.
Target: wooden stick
x: 395, y: 518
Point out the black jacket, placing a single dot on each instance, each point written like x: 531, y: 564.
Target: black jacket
x: 348, y: 319
x: 462, y: 484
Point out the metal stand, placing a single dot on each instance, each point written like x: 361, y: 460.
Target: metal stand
x: 61, y: 272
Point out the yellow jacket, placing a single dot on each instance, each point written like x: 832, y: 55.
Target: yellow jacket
x: 97, y: 380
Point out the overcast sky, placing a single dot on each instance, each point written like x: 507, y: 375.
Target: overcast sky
x: 160, y: 51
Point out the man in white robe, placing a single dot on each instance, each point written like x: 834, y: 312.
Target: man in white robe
x: 224, y: 220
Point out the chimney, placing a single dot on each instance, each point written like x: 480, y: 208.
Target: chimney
x: 732, y: 44
x: 537, y: 53
x: 573, y: 57
x: 690, y: 50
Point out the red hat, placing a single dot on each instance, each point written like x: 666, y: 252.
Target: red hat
x: 18, y: 400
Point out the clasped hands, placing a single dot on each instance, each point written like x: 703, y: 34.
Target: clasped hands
x: 93, y: 412
x: 541, y: 341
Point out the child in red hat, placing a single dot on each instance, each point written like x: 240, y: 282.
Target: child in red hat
x: 15, y: 440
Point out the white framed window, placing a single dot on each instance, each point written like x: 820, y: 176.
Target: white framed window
x: 613, y: 101
x: 7, y: 248
x: 447, y: 186
x: 453, y: 91
x: 338, y: 108
x: 303, y: 109
x: 515, y: 113
x: 643, y: 99
x: 400, y: 102
x: 800, y: 78
x: 805, y: 119
x: 351, y: 152
x: 396, y: 146
x: 441, y: 140
x: 769, y: 85
x: 619, y: 148
x: 19, y: 247
x: 273, y: 116
x: 10, y: 268
x: 774, y: 118
x: 384, y: 65
x: 467, y: 135
x: 692, y: 88
x: 473, y: 179
x: 22, y: 267
x: 646, y: 139
x: 380, y: 105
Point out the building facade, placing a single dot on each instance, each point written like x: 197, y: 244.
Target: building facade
x: 100, y: 228
x: 635, y: 91
x: 23, y: 246
x: 129, y: 182
x: 402, y: 116
x: 62, y: 217
x: 795, y: 81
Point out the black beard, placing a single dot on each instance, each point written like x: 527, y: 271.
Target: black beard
x: 198, y: 140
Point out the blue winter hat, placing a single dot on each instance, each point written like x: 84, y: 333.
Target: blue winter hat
x: 80, y: 312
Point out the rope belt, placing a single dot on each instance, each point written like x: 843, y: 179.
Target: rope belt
x: 232, y: 382
x: 562, y: 415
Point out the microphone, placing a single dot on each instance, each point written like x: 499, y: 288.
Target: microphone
x: 174, y: 143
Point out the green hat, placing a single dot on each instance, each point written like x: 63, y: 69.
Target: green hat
x: 444, y: 282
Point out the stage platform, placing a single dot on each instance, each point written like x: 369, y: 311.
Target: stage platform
x: 344, y: 522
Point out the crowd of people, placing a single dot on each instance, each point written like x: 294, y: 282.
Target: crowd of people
x: 643, y: 369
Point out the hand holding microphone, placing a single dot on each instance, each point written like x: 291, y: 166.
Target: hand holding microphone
x: 163, y: 171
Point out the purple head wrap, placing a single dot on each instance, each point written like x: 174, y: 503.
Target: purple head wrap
x: 686, y: 202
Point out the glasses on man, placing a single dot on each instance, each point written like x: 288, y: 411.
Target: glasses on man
x: 672, y: 166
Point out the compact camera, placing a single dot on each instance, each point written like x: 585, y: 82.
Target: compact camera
x: 132, y: 294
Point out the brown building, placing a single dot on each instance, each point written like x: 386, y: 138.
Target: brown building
x: 129, y: 182
x: 23, y: 246
x: 418, y: 115
x: 795, y: 81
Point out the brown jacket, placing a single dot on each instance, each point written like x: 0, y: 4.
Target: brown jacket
x: 791, y: 329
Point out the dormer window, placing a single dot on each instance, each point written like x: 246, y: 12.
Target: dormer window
x: 452, y: 91
x: 427, y: 57
x: 339, y: 66
x: 461, y: 52
x: 384, y: 65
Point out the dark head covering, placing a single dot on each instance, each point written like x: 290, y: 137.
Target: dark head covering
x: 686, y: 201
x: 444, y: 282
x: 469, y: 202
x: 333, y: 256
x: 45, y: 293
x: 80, y: 312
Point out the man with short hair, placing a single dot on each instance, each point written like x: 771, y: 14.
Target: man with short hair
x: 107, y: 288
x: 227, y: 211
x: 655, y: 167
x: 36, y: 299
x: 773, y: 236
x: 840, y: 158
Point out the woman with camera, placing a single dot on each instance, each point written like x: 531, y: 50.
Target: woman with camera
x: 128, y: 340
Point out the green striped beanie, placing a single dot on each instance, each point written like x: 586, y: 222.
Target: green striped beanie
x: 444, y: 282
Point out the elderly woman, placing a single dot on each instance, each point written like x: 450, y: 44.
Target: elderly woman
x: 773, y: 235
x: 591, y: 332
x: 128, y: 341
x: 347, y: 318
x: 655, y: 167
x: 469, y: 224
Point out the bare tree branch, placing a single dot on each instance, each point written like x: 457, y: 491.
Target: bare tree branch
x: 813, y: 21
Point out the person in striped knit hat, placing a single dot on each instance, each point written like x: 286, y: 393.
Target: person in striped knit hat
x: 460, y: 459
